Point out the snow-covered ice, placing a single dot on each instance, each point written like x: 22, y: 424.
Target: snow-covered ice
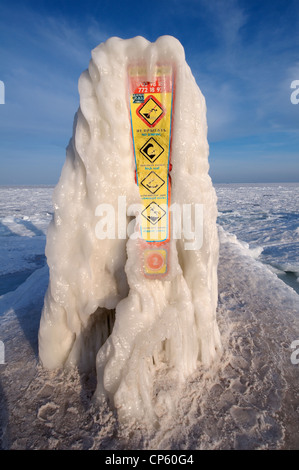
x: 25, y: 213
x: 266, y: 217
x: 95, y: 283
x: 247, y: 400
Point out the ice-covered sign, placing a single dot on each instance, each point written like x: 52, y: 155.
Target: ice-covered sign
x: 101, y: 311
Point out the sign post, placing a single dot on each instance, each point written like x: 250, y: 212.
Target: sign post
x: 151, y: 108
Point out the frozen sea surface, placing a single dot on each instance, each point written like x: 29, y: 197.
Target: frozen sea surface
x: 248, y: 400
x: 266, y: 217
x: 25, y: 213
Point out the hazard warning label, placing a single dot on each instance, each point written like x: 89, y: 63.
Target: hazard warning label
x: 152, y: 182
x: 151, y: 117
x: 153, y: 213
x: 152, y: 150
x: 151, y: 111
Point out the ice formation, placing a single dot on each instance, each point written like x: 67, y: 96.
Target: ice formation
x: 99, y: 309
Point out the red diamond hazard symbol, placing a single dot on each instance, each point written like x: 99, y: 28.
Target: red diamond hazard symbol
x: 151, y: 111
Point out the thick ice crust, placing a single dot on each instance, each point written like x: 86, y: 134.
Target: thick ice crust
x: 99, y: 309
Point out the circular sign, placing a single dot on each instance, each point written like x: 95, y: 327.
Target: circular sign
x: 155, y: 261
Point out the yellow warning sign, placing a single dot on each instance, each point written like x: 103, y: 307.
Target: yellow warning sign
x: 152, y: 150
x: 153, y: 213
x: 152, y: 182
x: 151, y: 111
x: 151, y: 117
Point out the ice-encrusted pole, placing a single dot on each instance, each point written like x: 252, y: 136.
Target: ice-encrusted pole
x: 99, y: 308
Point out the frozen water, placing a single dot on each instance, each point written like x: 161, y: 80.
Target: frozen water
x: 98, y: 302
x: 25, y: 213
x: 266, y: 217
x: 247, y: 400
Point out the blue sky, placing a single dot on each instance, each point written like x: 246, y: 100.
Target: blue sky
x: 244, y: 55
